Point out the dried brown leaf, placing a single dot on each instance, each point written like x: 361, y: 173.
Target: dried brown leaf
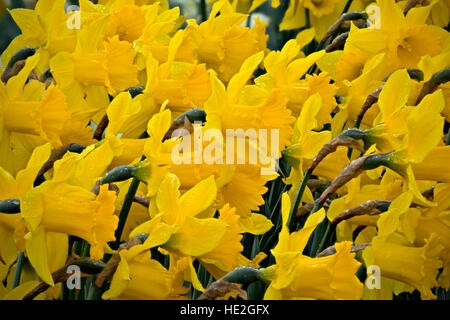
x: 220, y: 288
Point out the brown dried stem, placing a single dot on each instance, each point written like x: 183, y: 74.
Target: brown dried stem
x: 332, y: 250
x: 414, y: 3
x: 142, y: 200
x: 331, y: 147
x: 111, y: 187
x: 371, y: 100
x: 337, y: 43
x: 314, y: 184
x: 182, y: 122
x: 101, y: 127
x: 350, y: 171
x: 367, y: 208
x: 340, y: 22
x: 305, y: 210
x: 430, y: 86
x: 88, y: 268
x: 114, y: 261
x: 14, y: 70
x: 55, y: 156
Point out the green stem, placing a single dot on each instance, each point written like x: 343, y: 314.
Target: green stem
x: 203, y: 10
x: 64, y: 292
x: 248, y: 22
x: 358, y: 122
x: 325, y: 237
x: 347, y: 6
x: 94, y: 293
x: 86, y: 249
x: 315, y: 243
x: 308, y: 20
x: 18, y: 272
x: 201, y: 272
x: 78, y: 247
x: 125, y: 210
x: 298, y: 198
x: 265, y: 244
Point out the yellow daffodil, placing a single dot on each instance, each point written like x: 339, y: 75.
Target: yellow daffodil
x: 404, y: 38
x: 60, y: 207
x: 222, y: 43
x: 44, y: 27
x: 179, y: 213
x: 306, y: 142
x: 29, y: 109
x: 84, y: 73
x: 140, y: 277
x: 14, y: 188
x: 128, y: 116
x: 233, y: 181
x: 186, y: 85
x: 284, y: 71
x: 247, y: 107
x: 357, y: 193
x: 357, y: 75
x: 297, y: 276
x: 322, y: 14
x: 396, y: 240
x: 416, y: 266
x: 225, y: 257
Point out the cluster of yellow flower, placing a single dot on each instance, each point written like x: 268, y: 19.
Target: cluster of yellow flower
x: 97, y: 105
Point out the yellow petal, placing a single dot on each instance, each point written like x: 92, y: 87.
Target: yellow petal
x: 199, y: 198
x: 297, y: 68
x: 26, y: 177
x: 20, y: 291
x: 197, y: 236
x: 255, y: 224
x: 194, y: 278
x: 120, y: 279
x: 395, y: 93
x: 424, y: 125
x: 305, y: 36
x: 36, y: 246
x: 412, y: 185
x: 168, y: 194
x: 239, y: 80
